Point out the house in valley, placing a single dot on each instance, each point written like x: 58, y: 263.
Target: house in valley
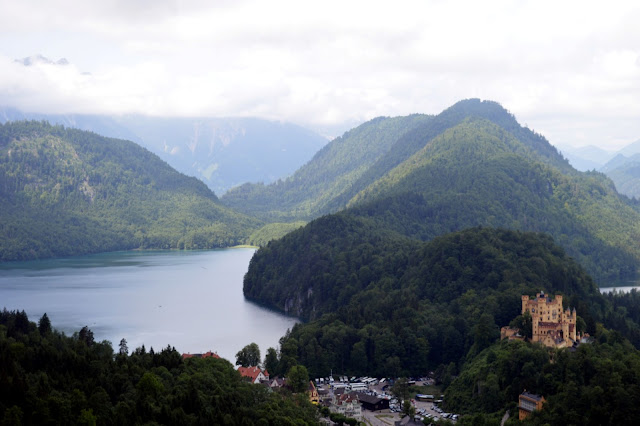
x: 253, y: 374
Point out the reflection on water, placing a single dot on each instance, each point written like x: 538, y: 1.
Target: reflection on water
x: 190, y: 300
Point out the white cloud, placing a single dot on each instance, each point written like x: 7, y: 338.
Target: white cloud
x: 570, y: 70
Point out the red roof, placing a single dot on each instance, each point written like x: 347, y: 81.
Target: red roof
x: 205, y: 355
x: 251, y: 372
x: 347, y: 398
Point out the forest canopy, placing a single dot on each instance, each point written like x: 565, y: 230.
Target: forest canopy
x: 47, y: 377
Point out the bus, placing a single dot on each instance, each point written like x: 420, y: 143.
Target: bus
x: 423, y: 397
x: 359, y: 386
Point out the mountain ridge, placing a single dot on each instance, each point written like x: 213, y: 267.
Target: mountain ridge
x: 222, y: 152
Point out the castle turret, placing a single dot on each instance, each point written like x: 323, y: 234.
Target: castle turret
x: 559, y: 300
x: 525, y: 304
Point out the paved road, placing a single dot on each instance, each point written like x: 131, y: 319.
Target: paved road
x: 380, y: 418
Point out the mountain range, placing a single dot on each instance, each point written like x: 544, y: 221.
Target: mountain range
x: 419, y: 176
x: 221, y: 152
x: 622, y: 166
x: 471, y: 165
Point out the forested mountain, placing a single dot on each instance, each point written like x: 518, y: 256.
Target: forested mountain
x: 65, y: 191
x: 222, y: 152
x: 343, y: 171
x: 330, y: 174
x: 472, y: 165
x: 478, y: 174
x: 387, y: 305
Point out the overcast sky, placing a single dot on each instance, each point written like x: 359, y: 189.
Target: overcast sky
x: 568, y: 69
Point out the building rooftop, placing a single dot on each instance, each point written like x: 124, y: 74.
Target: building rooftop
x: 531, y: 396
x: 371, y: 399
x: 204, y: 355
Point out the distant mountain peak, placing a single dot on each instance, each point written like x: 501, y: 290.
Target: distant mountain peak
x: 40, y: 59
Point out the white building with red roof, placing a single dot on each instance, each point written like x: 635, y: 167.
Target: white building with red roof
x: 253, y: 374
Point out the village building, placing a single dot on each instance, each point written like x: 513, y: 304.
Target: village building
x: 277, y: 382
x: 527, y: 403
x: 373, y: 403
x: 551, y: 325
x: 254, y: 374
x: 325, y: 396
x: 313, y: 393
x: 348, y: 405
x: 204, y: 355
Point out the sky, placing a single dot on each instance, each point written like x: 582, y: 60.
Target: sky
x: 570, y: 70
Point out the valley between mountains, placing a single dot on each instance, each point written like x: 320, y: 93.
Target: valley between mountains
x: 403, y: 245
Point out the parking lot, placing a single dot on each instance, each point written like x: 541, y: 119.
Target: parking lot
x: 388, y: 417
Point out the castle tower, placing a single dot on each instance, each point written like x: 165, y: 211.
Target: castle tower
x: 558, y: 300
x: 525, y: 304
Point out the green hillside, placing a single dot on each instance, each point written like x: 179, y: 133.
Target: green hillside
x: 471, y: 165
x: 598, y: 384
x: 67, y: 192
x: 331, y: 173
x: 385, y: 305
x: 478, y: 174
x: 360, y: 157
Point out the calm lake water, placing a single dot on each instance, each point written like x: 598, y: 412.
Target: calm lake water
x: 190, y: 300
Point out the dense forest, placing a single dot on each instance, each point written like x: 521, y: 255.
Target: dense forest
x: 65, y: 192
x: 597, y: 384
x: 388, y: 305
x: 49, y: 378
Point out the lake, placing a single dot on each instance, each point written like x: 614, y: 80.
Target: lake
x: 619, y: 289
x: 189, y: 299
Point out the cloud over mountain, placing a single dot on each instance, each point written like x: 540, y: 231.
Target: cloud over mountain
x: 570, y: 70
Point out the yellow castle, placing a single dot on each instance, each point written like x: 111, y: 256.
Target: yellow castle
x: 552, y: 326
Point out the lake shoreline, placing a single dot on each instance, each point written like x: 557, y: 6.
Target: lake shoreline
x: 191, y: 300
